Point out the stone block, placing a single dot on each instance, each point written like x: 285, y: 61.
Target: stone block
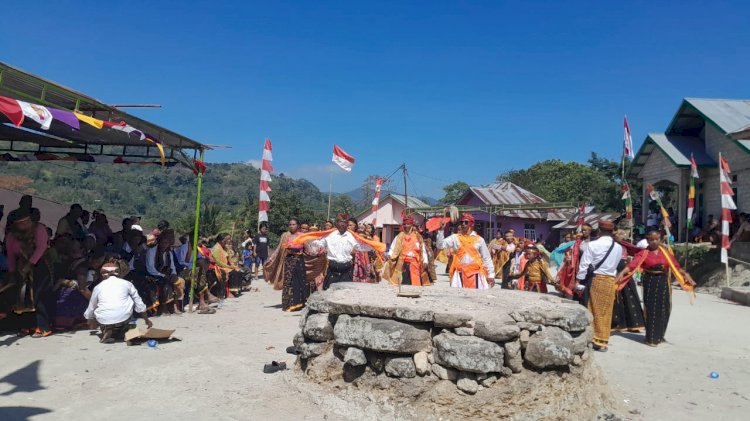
x: 468, y: 353
x: 497, y: 330
x: 445, y: 373
x: 448, y: 319
x: 421, y: 363
x: 318, y: 327
x: 489, y: 380
x: 355, y: 357
x: 523, y: 338
x: 298, y: 340
x: 381, y: 335
x: 312, y: 349
x: 552, y: 347
x: 467, y: 383
x: 400, y: 367
x: 464, y: 331
x: 513, y: 357
x: 582, y: 340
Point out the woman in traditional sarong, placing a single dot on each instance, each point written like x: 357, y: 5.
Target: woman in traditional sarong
x: 376, y: 259
x: 228, y: 275
x: 25, y: 244
x: 316, y: 263
x: 627, y: 314
x: 295, y: 289
x: 658, y: 265
x: 363, y: 271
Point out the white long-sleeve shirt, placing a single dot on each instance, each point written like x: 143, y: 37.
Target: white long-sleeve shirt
x: 420, y: 245
x: 113, y: 301
x: 453, y: 243
x: 595, y: 252
x: 339, y: 247
x: 151, y: 262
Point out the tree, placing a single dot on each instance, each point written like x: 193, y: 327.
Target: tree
x: 342, y: 204
x: 453, y: 192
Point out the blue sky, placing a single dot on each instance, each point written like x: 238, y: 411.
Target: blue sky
x: 457, y: 90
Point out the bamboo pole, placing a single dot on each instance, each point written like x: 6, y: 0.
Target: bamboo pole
x: 194, y: 256
x: 330, y: 192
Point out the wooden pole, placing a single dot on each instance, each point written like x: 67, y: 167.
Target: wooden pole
x: 330, y: 192
x: 194, y: 256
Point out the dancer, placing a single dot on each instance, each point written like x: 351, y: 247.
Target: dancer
x: 472, y: 264
x: 407, y: 256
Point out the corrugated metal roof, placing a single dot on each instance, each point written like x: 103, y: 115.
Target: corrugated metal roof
x: 508, y: 193
x: 413, y: 201
x: 592, y: 219
x: 743, y: 133
x: 677, y: 149
x: 729, y: 114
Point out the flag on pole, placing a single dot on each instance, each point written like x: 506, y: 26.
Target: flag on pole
x: 376, y: 200
x: 664, y: 214
x: 691, y: 192
x: 628, y: 201
x: 38, y: 113
x: 342, y: 159
x: 264, y: 201
x: 628, y: 141
x: 727, y: 206
x: 581, y: 216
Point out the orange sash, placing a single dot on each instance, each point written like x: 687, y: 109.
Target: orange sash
x: 411, y: 245
x: 468, y: 271
x: 317, y: 235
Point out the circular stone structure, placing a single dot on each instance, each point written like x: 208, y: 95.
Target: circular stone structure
x: 450, y: 354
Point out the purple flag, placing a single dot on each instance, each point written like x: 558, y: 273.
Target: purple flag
x: 66, y: 117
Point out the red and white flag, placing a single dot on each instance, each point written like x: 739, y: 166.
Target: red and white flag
x: 36, y: 112
x: 376, y: 200
x: 727, y: 206
x: 264, y: 201
x: 628, y: 141
x: 342, y: 159
x: 11, y: 109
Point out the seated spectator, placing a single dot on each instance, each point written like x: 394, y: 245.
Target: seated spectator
x: 120, y: 237
x: 71, y: 274
x: 113, y: 302
x: 228, y: 274
x: 71, y: 223
x: 24, y: 203
x: 100, y: 229
x: 199, y: 282
x: 166, y: 289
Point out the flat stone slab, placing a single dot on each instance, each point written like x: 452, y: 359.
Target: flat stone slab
x: 381, y: 335
x: 739, y: 295
x: 454, y: 307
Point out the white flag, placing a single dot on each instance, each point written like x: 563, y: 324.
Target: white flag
x: 36, y: 112
x: 342, y: 159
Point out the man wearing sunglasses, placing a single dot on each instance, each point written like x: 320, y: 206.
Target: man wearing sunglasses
x: 472, y: 264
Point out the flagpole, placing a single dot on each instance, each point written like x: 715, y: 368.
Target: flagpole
x: 330, y: 192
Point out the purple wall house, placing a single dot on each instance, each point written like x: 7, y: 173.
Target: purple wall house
x: 530, y: 224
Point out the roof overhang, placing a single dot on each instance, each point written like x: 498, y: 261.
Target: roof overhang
x: 677, y: 149
x: 61, y: 138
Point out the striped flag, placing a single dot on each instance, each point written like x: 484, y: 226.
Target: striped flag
x: 264, y: 201
x: 581, y: 216
x: 342, y: 159
x: 376, y: 200
x: 727, y: 206
x: 664, y: 214
x: 628, y: 141
x: 691, y: 192
x: 628, y: 201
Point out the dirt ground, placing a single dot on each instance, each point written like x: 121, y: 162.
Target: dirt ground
x: 215, y: 370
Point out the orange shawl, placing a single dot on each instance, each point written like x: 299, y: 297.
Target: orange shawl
x: 671, y: 260
x: 317, y: 235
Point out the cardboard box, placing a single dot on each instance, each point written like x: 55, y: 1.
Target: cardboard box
x: 152, y: 333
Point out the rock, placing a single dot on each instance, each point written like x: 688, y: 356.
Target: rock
x: 489, y: 381
x: 582, y: 340
x: 586, y: 355
x: 506, y: 372
x: 421, y: 363
x: 496, y: 328
x: 381, y: 335
x: 451, y: 319
x: 531, y: 327
x: 445, y: 373
x: 524, y: 338
x: 303, y: 317
x: 466, y: 383
x: 318, y: 327
x: 577, y: 361
x: 513, y: 357
x: 298, y: 340
x: 400, y: 367
x: 312, y: 349
x: 464, y: 331
x: 565, y: 315
x: 430, y: 358
x: 355, y: 357
x: 552, y: 347
x: 468, y: 353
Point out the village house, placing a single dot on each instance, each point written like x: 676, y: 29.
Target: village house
x: 390, y: 215
x: 703, y: 128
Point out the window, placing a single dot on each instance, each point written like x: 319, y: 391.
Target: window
x: 529, y: 231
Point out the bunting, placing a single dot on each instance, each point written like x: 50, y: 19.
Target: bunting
x: 11, y: 109
x: 264, y: 201
x: 628, y: 141
x: 691, y: 193
x: 376, y: 200
x: 727, y: 206
x: 71, y: 157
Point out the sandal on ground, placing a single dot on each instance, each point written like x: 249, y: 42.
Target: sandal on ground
x: 601, y: 348
x: 274, y: 367
x: 207, y: 310
x: 41, y: 334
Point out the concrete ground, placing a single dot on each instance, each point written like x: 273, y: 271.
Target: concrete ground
x: 216, y: 369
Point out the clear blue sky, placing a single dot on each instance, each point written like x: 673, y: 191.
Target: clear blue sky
x: 458, y: 90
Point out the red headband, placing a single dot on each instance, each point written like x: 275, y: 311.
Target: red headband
x: 468, y: 217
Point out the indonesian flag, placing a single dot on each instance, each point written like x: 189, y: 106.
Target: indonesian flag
x: 264, y: 200
x: 11, y: 109
x: 36, y: 112
x: 124, y: 127
x: 342, y: 159
x: 691, y: 192
x: 727, y: 206
x: 628, y: 141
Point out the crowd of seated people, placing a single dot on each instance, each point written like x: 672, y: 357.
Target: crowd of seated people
x: 48, y: 278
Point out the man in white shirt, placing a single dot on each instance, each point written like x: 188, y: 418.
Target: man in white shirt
x: 602, y: 255
x: 112, y: 303
x: 472, y: 264
x: 339, y: 246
